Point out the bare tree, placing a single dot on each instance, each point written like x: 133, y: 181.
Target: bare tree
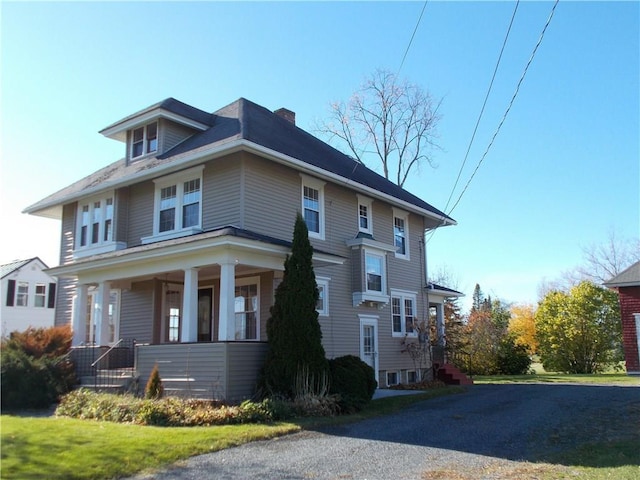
x: 605, y: 261
x: 601, y: 262
x: 388, y: 119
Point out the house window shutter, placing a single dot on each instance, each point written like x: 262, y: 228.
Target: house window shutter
x: 11, y: 292
x: 51, y: 301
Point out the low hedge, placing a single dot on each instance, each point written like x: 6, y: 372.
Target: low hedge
x: 171, y: 411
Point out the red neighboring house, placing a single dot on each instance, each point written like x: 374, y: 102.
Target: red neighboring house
x: 627, y: 284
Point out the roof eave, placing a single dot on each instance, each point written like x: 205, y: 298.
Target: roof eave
x: 118, y: 130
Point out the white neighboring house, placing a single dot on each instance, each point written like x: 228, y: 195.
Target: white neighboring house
x: 28, y: 296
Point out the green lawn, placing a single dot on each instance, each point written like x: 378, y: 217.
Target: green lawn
x: 545, y: 377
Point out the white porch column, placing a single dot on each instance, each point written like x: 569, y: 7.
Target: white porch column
x: 101, y: 313
x: 189, y: 320
x: 80, y: 315
x: 227, y: 317
x: 440, y: 324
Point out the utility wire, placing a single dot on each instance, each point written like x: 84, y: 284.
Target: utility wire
x: 473, y: 136
x: 508, y: 108
x: 413, y: 35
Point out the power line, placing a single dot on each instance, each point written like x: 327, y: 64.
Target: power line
x: 413, y: 35
x: 473, y: 136
x: 508, y: 108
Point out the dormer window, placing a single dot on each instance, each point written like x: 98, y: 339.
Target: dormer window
x: 144, y: 140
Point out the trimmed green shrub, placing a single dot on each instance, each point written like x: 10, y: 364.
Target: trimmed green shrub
x: 354, y: 381
x: 35, y: 370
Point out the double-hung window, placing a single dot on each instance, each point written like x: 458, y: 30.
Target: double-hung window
x: 247, y: 305
x: 375, y: 272
x: 323, y: 296
x: 403, y: 313
x: 178, y: 205
x: 401, y: 233
x: 364, y: 214
x: 313, y: 206
x: 144, y: 140
x: 39, y: 299
x: 22, y: 294
x: 94, y: 233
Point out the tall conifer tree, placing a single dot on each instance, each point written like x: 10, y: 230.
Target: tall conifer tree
x: 295, y: 337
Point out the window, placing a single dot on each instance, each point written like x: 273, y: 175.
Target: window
x: 178, y: 207
x: 364, y: 214
x: 323, y: 296
x: 411, y: 376
x: 144, y: 140
x: 22, y: 294
x: 375, y: 272
x: 91, y: 322
x: 246, y: 308
x: 313, y: 206
x: 173, y: 303
x: 403, y: 313
x: 392, y: 378
x: 95, y: 224
x: 40, y: 296
x: 400, y: 233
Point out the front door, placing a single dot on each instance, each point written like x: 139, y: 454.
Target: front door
x: 205, y: 314
x: 369, y: 342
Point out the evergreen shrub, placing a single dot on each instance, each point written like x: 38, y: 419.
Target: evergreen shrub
x: 354, y: 381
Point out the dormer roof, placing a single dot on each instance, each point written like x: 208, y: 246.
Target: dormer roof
x: 169, y: 108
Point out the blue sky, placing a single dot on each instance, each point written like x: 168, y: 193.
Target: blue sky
x: 562, y: 173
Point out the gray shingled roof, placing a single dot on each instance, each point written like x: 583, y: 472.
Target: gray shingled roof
x: 11, y: 267
x: 240, y: 120
x: 627, y: 278
x: 450, y: 291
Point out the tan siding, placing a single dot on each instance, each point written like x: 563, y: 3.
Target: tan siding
x: 221, y: 193
x: 68, y: 232
x: 65, y: 291
x: 244, y: 362
x: 121, y: 215
x: 271, y: 197
x: 140, y: 212
x: 191, y: 370
x: 171, y: 134
x: 136, y: 312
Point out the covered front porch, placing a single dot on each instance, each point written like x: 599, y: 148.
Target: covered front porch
x: 196, y: 306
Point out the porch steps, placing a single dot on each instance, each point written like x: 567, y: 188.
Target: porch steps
x: 117, y: 380
x: 450, y: 375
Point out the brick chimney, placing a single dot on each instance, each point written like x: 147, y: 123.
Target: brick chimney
x: 287, y: 114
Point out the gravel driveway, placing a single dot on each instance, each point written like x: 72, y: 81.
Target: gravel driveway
x: 484, y: 430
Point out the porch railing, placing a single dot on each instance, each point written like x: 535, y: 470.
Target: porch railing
x: 106, y: 368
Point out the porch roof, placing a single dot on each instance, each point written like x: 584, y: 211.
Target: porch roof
x: 224, y: 244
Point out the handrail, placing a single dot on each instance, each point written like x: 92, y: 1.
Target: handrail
x: 106, y: 353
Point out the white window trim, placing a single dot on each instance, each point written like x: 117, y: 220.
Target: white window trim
x: 397, y: 213
x: 402, y: 295
x: 318, y: 185
x: 366, y: 202
x: 26, y: 295
x: 102, y: 246
x: 178, y: 180
x: 250, y: 281
x: 36, y: 295
x: 144, y: 140
x: 383, y: 257
x: 324, y: 283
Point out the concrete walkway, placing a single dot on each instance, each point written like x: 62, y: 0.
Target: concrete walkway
x: 387, y: 392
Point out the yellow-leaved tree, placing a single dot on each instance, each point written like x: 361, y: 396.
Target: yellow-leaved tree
x: 523, y: 326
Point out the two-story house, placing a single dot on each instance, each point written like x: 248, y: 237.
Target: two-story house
x: 28, y: 296
x: 181, y: 243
